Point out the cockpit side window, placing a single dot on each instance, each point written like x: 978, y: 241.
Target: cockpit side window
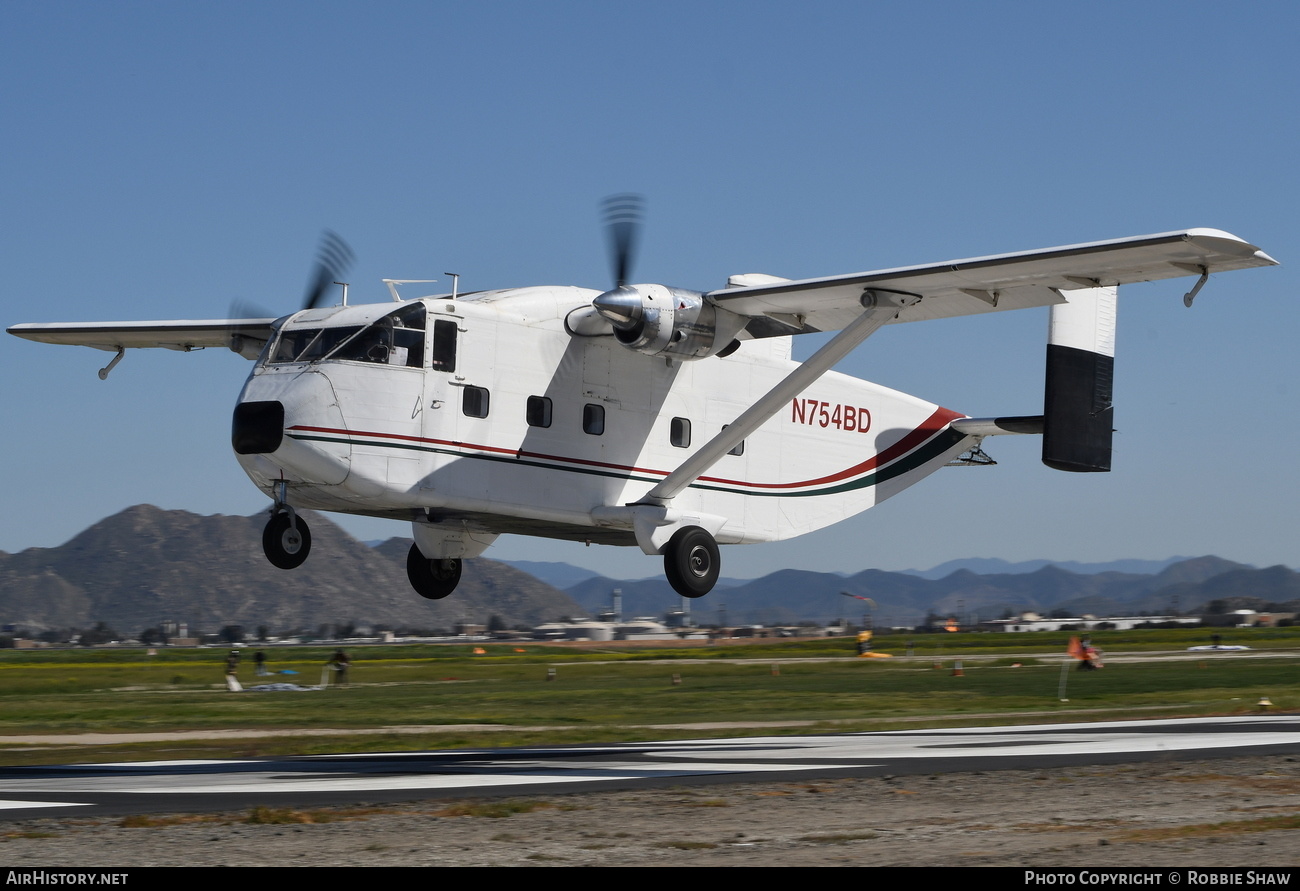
x: 374, y: 344
x: 395, y: 339
x: 408, y: 335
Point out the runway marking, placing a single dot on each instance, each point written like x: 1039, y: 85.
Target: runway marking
x: 188, y: 783
x: 278, y: 782
x: 10, y: 805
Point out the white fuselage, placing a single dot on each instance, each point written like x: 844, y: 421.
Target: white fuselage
x: 540, y: 431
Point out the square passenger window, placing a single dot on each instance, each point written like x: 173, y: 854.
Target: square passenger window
x: 538, y: 412
x: 680, y: 433
x: 474, y: 402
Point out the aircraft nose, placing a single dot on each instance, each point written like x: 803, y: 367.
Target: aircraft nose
x: 258, y: 427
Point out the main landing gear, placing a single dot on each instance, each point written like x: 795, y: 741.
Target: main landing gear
x: 691, y: 561
x: 431, y: 579
x: 286, y: 540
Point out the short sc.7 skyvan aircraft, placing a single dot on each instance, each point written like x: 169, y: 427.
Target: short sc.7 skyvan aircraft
x: 648, y: 415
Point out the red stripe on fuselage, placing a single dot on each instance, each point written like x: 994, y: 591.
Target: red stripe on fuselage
x: 928, y: 428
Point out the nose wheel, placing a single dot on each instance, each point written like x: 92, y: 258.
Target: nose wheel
x: 286, y: 540
x: 431, y: 579
x: 691, y: 561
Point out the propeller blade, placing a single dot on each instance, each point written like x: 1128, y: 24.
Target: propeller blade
x: 333, y: 259
x: 623, y: 214
x: 243, y: 309
x: 248, y: 340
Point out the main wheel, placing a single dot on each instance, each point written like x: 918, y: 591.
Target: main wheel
x: 431, y: 579
x: 691, y: 561
x: 286, y: 544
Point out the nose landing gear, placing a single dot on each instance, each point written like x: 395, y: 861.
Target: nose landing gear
x: 286, y: 540
x: 431, y: 579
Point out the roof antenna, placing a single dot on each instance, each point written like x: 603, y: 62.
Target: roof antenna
x: 394, y: 282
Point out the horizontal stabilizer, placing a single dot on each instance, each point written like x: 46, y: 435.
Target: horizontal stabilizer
x: 1025, y: 425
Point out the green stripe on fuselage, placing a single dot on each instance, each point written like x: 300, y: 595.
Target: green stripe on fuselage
x: 928, y: 451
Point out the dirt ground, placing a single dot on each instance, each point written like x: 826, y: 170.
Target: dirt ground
x: 1174, y: 813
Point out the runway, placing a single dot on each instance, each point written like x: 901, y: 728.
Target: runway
x: 196, y: 786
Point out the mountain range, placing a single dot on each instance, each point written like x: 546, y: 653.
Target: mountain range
x: 145, y: 566
x: 903, y: 599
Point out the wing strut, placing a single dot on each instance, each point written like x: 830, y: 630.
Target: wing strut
x: 880, y: 307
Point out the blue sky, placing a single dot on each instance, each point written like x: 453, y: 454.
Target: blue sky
x: 163, y: 160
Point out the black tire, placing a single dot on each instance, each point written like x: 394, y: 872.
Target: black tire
x: 431, y: 579
x: 691, y: 561
x: 285, y: 546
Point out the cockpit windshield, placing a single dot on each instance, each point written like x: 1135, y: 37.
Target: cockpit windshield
x: 394, y: 339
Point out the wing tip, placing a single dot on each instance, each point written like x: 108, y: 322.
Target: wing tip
x: 1226, y: 242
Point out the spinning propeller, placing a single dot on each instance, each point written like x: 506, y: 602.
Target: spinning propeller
x: 657, y: 320
x: 622, y: 305
x: 333, y: 259
x: 623, y: 216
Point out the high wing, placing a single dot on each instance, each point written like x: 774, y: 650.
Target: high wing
x: 988, y: 284
x: 174, y: 334
x: 935, y: 291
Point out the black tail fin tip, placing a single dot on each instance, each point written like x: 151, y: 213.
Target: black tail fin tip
x: 1078, y: 417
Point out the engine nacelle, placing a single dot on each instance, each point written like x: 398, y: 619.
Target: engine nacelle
x: 661, y: 321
